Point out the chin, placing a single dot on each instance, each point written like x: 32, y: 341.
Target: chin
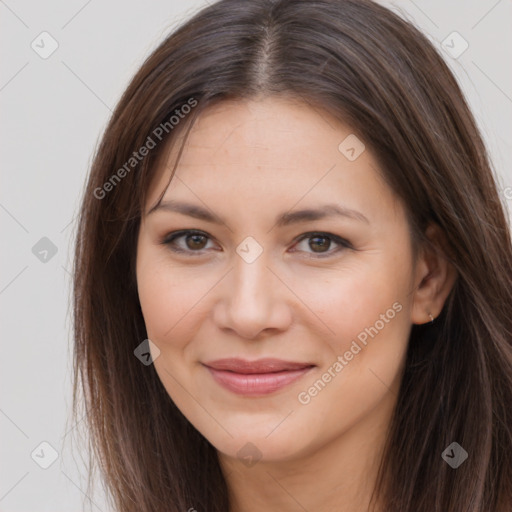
x: 267, y: 440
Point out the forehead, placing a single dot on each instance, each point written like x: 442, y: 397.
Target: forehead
x: 266, y: 129
x: 273, y: 150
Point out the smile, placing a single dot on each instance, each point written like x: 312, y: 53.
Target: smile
x: 258, y: 378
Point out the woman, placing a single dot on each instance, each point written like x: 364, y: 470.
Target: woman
x: 293, y: 274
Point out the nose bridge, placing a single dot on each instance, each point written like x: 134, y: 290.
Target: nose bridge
x: 251, y: 300
x: 251, y: 277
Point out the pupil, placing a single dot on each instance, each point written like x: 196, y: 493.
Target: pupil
x: 314, y: 241
x: 196, y: 243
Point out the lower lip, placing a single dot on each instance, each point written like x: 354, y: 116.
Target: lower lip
x: 256, y: 384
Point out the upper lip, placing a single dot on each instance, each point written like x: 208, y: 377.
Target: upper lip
x: 267, y: 365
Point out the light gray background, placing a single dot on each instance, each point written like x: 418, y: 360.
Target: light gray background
x: 53, y: 113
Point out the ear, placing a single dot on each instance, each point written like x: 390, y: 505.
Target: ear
x: 434, y: 278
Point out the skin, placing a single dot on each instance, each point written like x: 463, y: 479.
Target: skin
x: 300, y: 300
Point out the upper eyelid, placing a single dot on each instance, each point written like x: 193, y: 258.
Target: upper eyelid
x: 175, y: 235
x: 179, y: 233
x: 171, y: 237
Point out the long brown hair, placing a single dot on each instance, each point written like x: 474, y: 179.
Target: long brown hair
x: 383, y: 78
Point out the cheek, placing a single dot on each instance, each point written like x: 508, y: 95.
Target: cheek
x: 175, y: 302
x: 366, y: 311
x: 346, y: 302
x: 167, y: 306
x: 164, y: 296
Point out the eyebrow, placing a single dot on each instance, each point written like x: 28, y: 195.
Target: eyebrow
x: 284, y: 219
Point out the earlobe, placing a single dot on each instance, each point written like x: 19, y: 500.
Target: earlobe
x: 434, y: 278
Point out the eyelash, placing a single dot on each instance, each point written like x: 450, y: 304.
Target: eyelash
x: 171, y: 237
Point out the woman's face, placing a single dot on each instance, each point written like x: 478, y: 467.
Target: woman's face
x: 302, y: 254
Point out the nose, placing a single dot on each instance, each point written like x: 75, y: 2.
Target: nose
x: 253, y: 300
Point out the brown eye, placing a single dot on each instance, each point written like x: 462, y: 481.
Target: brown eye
x: 319, y: 243
x: 195, y: 241
x: 189, y: 242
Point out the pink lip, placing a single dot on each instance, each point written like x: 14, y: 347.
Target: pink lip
x: 256, y: 377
